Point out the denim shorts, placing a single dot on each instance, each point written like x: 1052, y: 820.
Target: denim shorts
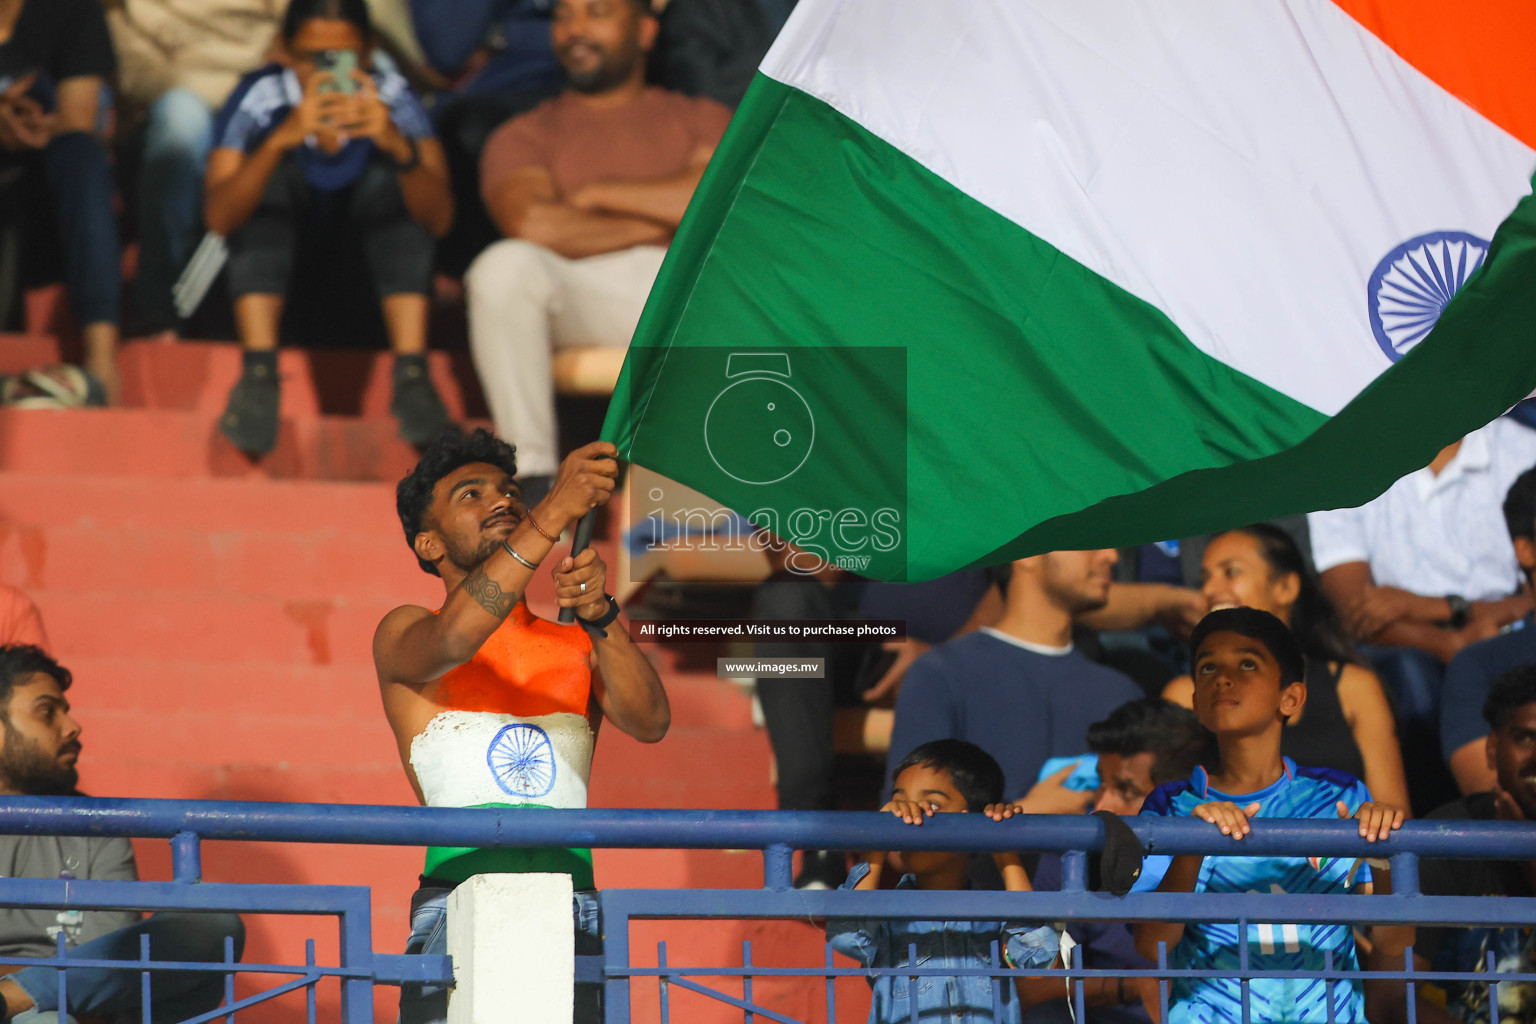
x: 428, y: 1004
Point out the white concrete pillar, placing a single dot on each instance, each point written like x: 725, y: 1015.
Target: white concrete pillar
x: 513, y: 946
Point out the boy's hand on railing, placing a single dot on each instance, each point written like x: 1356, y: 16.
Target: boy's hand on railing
x: 910, y: 811
x: 1048, y: 796
x: 1376, y: 820
x: 1226, y: 815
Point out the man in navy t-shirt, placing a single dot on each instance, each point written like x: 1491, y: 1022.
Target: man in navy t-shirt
x: 1018, y: 690
x: 1463, y: 733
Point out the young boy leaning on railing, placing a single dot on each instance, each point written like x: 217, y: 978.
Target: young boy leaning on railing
x: 938, y: 777
x: 1248, y: 673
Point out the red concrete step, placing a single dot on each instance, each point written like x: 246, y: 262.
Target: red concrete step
x: 211, y: 627
x: 154, y: 443
x: 51, y: 496
x: 197, y: 376
x: 306, y: 567
x: 689, y: 768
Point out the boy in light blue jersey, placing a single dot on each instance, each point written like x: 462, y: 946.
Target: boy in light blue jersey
x: 1248, y: 673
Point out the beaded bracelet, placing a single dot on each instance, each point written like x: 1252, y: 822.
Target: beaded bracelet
x: 541, y: 531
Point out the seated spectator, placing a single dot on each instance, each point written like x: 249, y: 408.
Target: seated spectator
x: 313, y: 148
x: 1510, y: 712
x: 495, y: 60
x: 19, y: 621
x: 945, y: 776
x: 55, y: 184
x: 713, y: 47
x: 178, y: 64
x: 1140, y: 746
x: 38, y: 751
x: 1250, y: 677
x: 587, y: 189
x: 1463, y: 733
x: 799, y: 713
x: 1019, y: 690
x: 1423, y: 571
x: 1347, y: 721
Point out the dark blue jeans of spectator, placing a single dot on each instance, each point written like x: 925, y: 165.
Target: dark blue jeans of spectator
x: 177, y: 140
x: 103, y: 991
x: 428, y: 1004
x: 59, y: 200
x: 1413, y: 679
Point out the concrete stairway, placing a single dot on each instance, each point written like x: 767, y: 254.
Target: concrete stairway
x: 217, y: 615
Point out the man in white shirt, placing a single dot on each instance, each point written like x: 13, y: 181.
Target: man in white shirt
x: 1428, y: 564
x: 1426, y: 569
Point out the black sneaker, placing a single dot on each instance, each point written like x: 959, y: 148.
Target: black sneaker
x: 250, y: 418
x: 416, y: 403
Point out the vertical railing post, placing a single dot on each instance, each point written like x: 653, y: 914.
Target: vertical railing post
x: 779, y: 866
x: 615, y: 954
x: 1074, y: 871
x: 1405, y: 874
x: 356, y: 922
x: 186, y: 857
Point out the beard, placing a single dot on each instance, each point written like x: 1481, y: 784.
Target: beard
x: 614, y: 68
x: 466, y: 558
x: 27, y: 769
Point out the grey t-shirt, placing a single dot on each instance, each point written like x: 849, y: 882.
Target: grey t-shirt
x: 34, y: 932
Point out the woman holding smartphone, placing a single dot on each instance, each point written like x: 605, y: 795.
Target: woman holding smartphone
x: 315, y: 147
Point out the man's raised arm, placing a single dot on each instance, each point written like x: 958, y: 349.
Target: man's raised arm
x: 414, y: 646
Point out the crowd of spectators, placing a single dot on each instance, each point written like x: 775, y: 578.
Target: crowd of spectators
x: 546, y: 151
x: 1416, y: 636
x: 345, y: 151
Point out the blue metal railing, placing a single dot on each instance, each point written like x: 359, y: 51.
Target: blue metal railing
x: 777, y: 835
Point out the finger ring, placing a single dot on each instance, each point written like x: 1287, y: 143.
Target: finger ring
x: 583, y: 588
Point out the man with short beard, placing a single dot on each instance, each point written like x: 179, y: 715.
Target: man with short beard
x: 1510, y: 711
x: 1018, y: 690
x: 588, y: 188
x: 37, y: 758
x: 492, y: 706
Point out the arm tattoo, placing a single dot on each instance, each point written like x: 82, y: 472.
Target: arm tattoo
x: 488, y: 593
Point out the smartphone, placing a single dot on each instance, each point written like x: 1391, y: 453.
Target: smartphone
x: 336, y: 67
x: 1085, y: 779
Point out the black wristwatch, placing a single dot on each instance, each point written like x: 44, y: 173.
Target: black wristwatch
x: 1461, y: 610
x: 596, y: 626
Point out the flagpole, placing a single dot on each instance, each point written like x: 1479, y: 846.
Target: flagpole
x: 579, y: 543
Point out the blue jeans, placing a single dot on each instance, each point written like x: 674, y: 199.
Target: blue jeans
x: 177, y: 141
x: 428, y: 1004
x: 105, y: 991
x: 1413, y: 679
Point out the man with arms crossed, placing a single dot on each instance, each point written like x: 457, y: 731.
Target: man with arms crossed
x: 491, y: 706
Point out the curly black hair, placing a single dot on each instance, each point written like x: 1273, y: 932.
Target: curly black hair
x: 1161, y: 727
x: 19, y: 660
x: 1509, y: 692
x: 452, y: 449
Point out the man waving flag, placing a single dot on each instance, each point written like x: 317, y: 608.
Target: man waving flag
x: 968, y: 281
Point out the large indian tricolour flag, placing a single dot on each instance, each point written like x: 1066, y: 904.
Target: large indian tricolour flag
x: 973, y: 279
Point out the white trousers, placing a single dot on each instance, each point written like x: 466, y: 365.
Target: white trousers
x: 525, y: 301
